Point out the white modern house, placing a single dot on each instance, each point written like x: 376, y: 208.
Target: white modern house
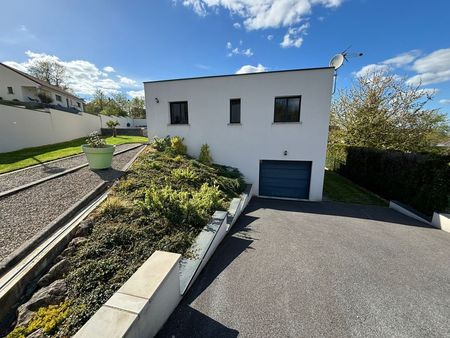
x: 272, y: 126
x: 16, y: 85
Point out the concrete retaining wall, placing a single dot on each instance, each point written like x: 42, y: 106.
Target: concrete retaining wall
x: 24, y: 128
x: 144, y: 303
x: 441, y: 221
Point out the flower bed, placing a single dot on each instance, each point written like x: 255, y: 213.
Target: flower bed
x: 161, y: 204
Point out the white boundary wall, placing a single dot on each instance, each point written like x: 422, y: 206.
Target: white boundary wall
x: 23, y: 128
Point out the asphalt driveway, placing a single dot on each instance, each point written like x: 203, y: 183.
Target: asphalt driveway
x: 299, y: 269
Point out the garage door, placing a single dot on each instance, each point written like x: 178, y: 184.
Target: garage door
x: 288, y: 179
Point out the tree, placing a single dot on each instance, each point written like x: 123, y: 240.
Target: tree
x: 383, y: 111
x: 50, y: 71
x: 137, y: 108
x: 113, y: 124
x: 98, y: 103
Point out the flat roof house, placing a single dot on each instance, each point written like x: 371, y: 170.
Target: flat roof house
x: 272, y: 126
x: 20, y: 86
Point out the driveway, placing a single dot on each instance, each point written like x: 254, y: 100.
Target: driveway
x: 300, y: 269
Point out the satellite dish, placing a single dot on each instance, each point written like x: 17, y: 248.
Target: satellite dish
x: 337, y: 61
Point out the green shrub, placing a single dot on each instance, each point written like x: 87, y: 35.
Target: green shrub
x: 183, y: 207
x: 418, y: 180
x: 186, y: 174
x: 161, y: 143
x: 205, y: 156
x: 177, y: 146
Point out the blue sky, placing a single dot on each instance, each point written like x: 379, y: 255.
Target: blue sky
x: 148, y: 40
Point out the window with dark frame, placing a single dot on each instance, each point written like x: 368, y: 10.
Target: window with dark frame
x: 235, y: 111
x: 287, y: 109
x: 10, y: 90
x: 58, y: 97
x: 179, y: 112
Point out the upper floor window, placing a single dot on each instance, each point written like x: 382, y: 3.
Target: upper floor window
x: 10, y: 90
x: 287, y: 109
x: 235, y: 111
x: 58, y: 97
x: 179, y: 112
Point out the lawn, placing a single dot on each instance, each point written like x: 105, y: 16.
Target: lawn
x: 340, y: 189
x: 31, y: 156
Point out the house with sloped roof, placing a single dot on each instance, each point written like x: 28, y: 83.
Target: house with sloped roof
x: 16, y: 85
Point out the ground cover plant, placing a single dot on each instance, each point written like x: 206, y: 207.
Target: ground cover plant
x: 162, y: 203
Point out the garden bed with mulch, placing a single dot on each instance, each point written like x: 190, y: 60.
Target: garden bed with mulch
x: 162, y: 203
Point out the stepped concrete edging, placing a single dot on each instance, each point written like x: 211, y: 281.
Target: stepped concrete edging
x: 145, y: 302
x: 441, y: 221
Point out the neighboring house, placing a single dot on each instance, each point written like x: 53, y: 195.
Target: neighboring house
x: 272, y: 126
x: 445, y: 144
x: 20, y: 86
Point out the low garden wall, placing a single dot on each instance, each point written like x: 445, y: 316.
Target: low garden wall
x: 23, y: 128
x: 418, y: 180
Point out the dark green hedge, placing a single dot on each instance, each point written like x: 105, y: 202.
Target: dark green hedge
x: 419, y: 180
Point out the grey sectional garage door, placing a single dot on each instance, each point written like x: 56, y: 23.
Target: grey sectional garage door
x: 288, y: 179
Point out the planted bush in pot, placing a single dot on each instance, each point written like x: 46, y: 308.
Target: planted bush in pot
x: 98, y: 153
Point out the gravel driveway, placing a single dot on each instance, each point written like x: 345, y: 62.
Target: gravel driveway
x: 25, y: 213
x: 17, y: 178
x: 299, y: 269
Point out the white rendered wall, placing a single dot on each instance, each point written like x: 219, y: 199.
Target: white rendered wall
x: 23, y: 128
x: 257, y: 137
x: 9, y: 78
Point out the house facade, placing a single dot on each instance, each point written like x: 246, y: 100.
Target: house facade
x: 19, y: 86
x: 272, y: 126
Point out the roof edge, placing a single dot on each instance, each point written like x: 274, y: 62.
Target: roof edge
x: 41, y: 82
x: 230, y: 75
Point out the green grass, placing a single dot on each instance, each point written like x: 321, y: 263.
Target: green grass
x: 340, y: 189
x: 30, y: 156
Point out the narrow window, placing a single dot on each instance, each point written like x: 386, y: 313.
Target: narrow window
x: 79, y: 104
x: 10, y: 90
x: 235, y: 111
x: 287, y: 109
x: 58, y: 98
x: 179, y: 112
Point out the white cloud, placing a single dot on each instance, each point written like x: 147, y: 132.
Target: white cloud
x: 202, y: 66
x: 83, y: 77
x: 270, y: 37
x: 251, y: 69
x: 126, y: 80
x: 432, y: 68
x: 237, y: 25
x: 18, y: 35
x: 109, y: 69
x: 372, y: 69
x: 403, y: 59
x: 238, y: 51
x: 136, y: 93
x: 444, y: 101
x: 294, y: 36
x: 259, y: 14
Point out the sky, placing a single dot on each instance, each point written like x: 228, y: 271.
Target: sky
x: 115, y: 45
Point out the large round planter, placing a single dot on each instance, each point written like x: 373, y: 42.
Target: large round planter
x: 99, y: 158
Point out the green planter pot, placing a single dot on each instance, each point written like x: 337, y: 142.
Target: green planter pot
x: 99, y: 158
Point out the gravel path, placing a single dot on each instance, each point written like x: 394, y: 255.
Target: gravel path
x: 25, y: 213
x: 16, y: 179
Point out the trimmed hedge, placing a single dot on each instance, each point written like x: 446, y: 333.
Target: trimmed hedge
x: 418, y: 180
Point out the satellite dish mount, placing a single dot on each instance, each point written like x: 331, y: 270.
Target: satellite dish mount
x: 338, y: 61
